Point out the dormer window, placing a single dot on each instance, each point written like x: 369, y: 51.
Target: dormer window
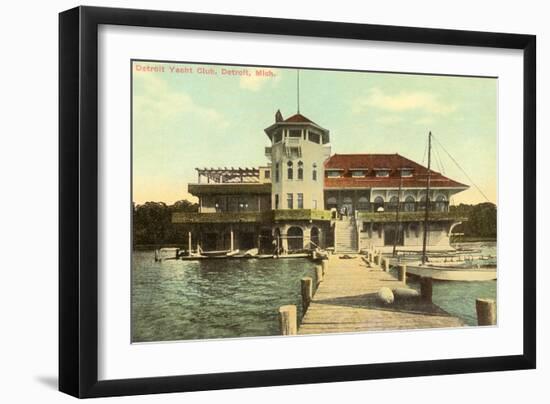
x: 358, y: 172
x: 334, y: 173
x: 382, y: 172
x: 406, y: 172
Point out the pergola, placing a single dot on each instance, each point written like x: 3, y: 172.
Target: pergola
x: 229, y: 175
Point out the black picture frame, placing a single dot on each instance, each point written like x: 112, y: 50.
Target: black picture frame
x: 78, y: 200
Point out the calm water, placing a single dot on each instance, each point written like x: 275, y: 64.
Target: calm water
x: 178, y: 300
x: 459, y: 298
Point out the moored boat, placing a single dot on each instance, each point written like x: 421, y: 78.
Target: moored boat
x: 442, y: 273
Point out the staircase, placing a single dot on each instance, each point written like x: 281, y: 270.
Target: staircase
x: 345, y: 236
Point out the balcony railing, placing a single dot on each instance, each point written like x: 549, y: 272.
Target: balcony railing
x: 251, y: 217
x: 440, y: 206
x: 221, y: 217
x: 301, y: 214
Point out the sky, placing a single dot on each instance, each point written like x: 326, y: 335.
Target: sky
x: 198, y: 115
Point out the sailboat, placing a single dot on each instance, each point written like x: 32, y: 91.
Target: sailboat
x: 450, y: 267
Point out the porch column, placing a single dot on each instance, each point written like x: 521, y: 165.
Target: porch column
x: 307, y: 237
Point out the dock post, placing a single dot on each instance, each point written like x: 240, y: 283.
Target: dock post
x: 307, y: 292
x: 189, y: 243
x: 402, y: 273
x: 387, y: 264
x: 288, y: 322
x: 324, y: 264
x: 319, y: 274
x: 156, y: 255
x: 426, y: 289
x: 486, y: 312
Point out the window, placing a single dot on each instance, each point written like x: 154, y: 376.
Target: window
x: 409, y: 204
x: 378, y: 204
x: 276, y: 201
x: 277, y: 172
x: 382, y: 173
x: 289, y: 201
x: 300, y: 201
x: 333, y: 173
x: 406, y: 172
x: 392, y: 205
x: 423, y: 203
x: 290, y: 171
x: 357, y: 173
x: 314, y: 172
x: 295, y: 133
x: 267, y: 174
x: 441, y: 203
x: 314, y: 137
x: 278, y: 136
x: 300, y: 170
x: 314, y: 204
x: 363, y: 203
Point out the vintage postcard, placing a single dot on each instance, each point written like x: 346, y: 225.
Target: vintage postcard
x: 289, y: 201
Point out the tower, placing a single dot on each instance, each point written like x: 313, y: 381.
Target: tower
x: 298, y: 150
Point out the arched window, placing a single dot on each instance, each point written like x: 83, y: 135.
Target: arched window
x: 314, y: 172
x: 441, y: 203
x: 409, y: 204
x: 378, y: 204
x: 392, y: 205
x: 300, y: 170
x: 314, y: 237
x: 363, y: 203
x: 290, y: 170
x: 422, y: 204
x: 295, y: 238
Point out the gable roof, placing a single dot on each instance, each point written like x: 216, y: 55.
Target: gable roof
x: 393, y: 162
x: 297, y: 118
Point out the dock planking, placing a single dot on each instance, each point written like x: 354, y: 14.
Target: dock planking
x: 346, y: 301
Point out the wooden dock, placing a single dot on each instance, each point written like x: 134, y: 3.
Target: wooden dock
x: 346, y: 301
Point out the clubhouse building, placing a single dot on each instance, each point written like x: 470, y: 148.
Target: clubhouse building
x: 305, y: 197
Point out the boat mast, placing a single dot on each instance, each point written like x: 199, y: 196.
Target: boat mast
x: 397, y: 224
x: 427, y: 213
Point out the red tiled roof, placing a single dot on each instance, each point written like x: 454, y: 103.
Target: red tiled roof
x: 394, y: 162
x: 298, y: 118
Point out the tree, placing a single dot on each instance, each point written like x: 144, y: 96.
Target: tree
x: 152, y: 222
x: 482, y: 219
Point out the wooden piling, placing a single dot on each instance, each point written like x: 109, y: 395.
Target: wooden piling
x: 486, y: 312
x: 307, y: 292
x: 402, y: 273
x: 426, y: 289
x: 319, y: 274
x: 288, y: 321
